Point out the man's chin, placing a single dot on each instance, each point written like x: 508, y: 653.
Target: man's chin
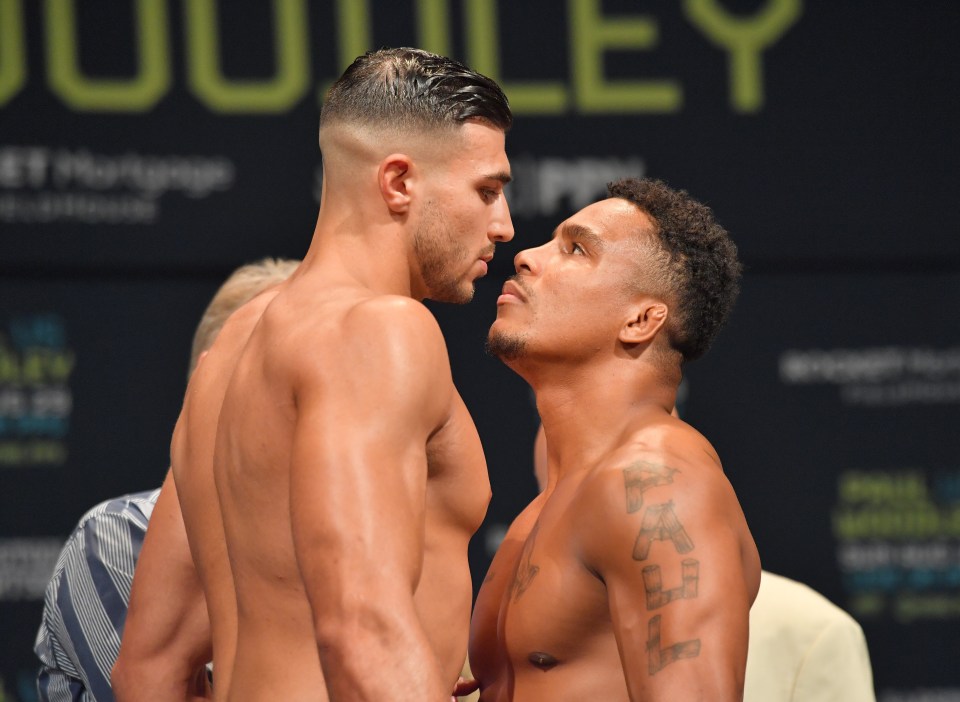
x: 459, y: 293
x: 506, y: 347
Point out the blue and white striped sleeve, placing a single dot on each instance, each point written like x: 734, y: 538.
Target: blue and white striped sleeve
x: 85, y: 605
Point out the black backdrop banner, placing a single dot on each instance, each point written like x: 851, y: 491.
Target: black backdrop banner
x: 148, y: 147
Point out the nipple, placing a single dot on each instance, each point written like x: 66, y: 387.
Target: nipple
x: 541, y: 660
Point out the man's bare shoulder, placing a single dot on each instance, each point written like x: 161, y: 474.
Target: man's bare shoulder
x: 383, y: 341
x: 660, y: 470
x: 230, y: 340
x: 216, y: 364
x: 388, y: 315
x: 209, y: 380
x: 669, y: 454
x: 374, y: 322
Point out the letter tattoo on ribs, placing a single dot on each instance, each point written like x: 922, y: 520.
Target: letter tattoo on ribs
x: 526, y: 571
x: 643, y: 475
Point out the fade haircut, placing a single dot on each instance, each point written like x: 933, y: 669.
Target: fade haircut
x: 696, y: 262
x: 415, y: 90
x: 243, y: 285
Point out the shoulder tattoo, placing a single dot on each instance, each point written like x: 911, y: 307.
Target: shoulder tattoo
x: 641, y: 476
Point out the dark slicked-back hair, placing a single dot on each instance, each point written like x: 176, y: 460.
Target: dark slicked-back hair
x: 413, y: 89
x: 697, y: 260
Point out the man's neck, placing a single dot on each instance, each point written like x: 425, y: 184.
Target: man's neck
x: 365, y: 254
x: 589, y: 413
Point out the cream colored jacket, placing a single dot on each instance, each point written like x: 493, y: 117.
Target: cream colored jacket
x: 803, y: 648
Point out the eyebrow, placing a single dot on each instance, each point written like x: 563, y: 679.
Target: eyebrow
x: 502, y: 176
x: 581, y: 233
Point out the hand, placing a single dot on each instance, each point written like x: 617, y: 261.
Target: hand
x: 464, y: 687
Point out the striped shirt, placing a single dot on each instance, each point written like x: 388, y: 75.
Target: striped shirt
x: 85, y: 605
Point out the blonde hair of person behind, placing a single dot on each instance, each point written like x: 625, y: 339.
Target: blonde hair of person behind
x: 243, y: 285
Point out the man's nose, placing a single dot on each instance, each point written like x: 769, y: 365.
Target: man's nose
x: 501, y: 228
x: 526, y: 262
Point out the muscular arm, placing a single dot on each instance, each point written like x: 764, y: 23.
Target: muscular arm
x: 678, y: 589
x: 166, y: 640
x: 357, y: 497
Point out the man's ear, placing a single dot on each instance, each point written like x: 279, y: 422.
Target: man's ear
x: 393, y: 177
x: 647, y: 318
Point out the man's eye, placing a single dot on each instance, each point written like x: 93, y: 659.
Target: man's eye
x: 575, y: 248
x: 488, y: 194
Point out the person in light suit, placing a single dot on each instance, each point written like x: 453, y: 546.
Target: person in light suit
x: 803, y: 648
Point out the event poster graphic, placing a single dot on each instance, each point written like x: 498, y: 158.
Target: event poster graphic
x: 148, y: 147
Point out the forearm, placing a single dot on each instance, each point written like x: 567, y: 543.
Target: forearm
x: 171, y: 667
x: 376, y: 654
x: 166, y: 637
x: 157, y: 680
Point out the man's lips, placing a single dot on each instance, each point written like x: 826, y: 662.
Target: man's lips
x: 512, y: 289
x: 484, y: 260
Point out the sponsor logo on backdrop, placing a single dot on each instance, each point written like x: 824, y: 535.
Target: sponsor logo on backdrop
x: 590, y: 43
x: 898, y: 543
x: 41, y: 184
x: 887, y: 376
x: 553, y: 186
x: 35, y: 397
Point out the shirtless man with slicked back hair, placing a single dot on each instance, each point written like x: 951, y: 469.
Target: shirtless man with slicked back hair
x: 349, y: 472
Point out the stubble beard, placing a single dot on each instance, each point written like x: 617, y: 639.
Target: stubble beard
x: 506, y: 347
x: 439, y: 254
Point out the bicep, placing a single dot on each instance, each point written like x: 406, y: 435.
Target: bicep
x: 356, y: 496
x: 677, y: 596
x: 359, y: 469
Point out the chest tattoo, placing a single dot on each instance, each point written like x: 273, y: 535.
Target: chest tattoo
x: 526, y: 571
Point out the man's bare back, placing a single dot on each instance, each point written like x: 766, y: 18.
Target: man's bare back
x: 191, y: 454
x: 322, y: 398
x: 167, y: 638
x: 542, y: 626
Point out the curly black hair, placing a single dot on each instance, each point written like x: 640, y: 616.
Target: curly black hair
x: 415, y: 89
x: 700, y: 268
